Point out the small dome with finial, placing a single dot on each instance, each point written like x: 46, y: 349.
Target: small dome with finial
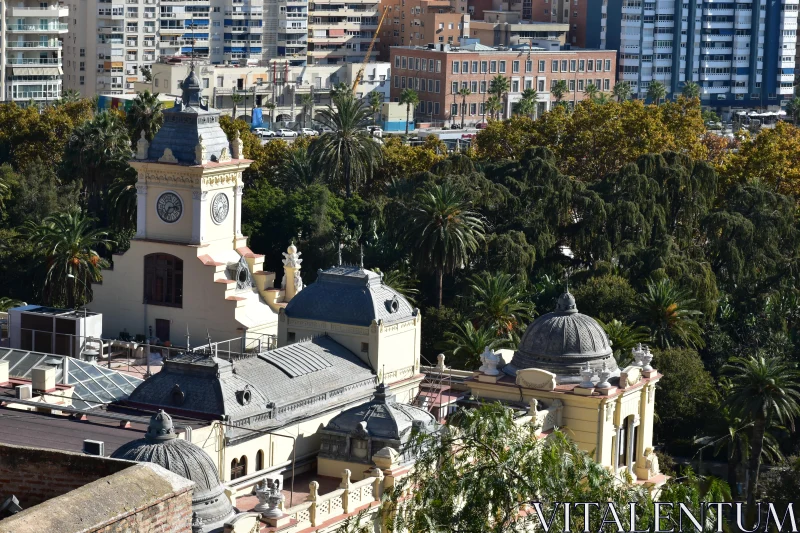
x: 160, y: 428
x: 564, y: 342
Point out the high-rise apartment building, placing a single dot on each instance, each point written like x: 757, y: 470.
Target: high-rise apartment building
x: 111, y: 40
x: 742, y: 53
x: 340, y: 31
x: 30, y: 47
x: 422, y: 22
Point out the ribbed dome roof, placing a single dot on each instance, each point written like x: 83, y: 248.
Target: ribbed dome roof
x: 563, y: 342
x: 160, y: 446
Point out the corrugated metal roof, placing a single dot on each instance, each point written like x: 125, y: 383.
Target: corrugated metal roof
x: 297, y: 359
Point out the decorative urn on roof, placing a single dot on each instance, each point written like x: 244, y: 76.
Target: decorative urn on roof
x: 564, y: 342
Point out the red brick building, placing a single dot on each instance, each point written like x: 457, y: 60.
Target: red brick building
x: 438, y: 73
x: 419, y: 22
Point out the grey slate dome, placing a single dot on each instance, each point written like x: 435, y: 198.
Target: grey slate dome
x: 377, y: 424
x: 350, y: 295
x: 563, y: 342
x: 160, y: 446
x: 185, y: 123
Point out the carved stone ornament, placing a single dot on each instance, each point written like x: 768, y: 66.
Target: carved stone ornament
x: 651, y: 462
x: 200, y: 152
x: 224, y: 155
x: 269, y: 497
x: 291, y: 257
x: 536, y: 378
x: 490, y: 360
x: 237, y: 147
x: 630, y: 376
x: 167, y: 157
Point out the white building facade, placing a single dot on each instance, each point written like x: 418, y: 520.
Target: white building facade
x: 741, y: 53
x: 30, y: 46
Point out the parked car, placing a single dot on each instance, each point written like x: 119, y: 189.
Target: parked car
x: 264, y: 133
x: 482, y: 125
x: 375, y: 131
x: 309, y: 131
x: 324, y: 129
x: 283, y: 132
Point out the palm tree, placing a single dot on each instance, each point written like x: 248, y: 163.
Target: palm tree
x: 98, y: 150
x: 236, y: 98
x: 622, y: 91
x: 307, y: 104
x: 764, y: 390
x: 7, y: 303
x: 348, y: 151
x: 493, y: 106
x: 591, y: 91
x: 70, y: 96
x: 793, y: 109
x: 499, y: 302
x: 499, y: 86
x: 559, y: 89
x: 402, y: 281
x: 410, y: 99
x: 528, y: 103
x: 464, y: 92
x: 375, y: 103
x: 656, y: 92
x: 669, y: 313
x: 122, y: 201
x: 442, y: 232
x: 690, y: 90
x: 271, y: 107
x: 300, y: 169
x: 68, y: 246
x: 467, y: 343
x: 144, y: 115
x: 623, y: 338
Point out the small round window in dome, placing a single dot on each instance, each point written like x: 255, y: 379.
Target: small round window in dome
x: 243, y: 276
x: 394, y: 305
x: 244, y: 396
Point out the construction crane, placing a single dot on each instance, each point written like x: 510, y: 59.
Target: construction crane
x: 369, y: 50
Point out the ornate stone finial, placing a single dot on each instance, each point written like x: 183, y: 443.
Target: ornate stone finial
x: 490, y: 361
x: 604, y: 375
x: 566, y: 304
x: 237, y: 147
x: 200, y: 153
x: 533, y: 405
x: 637, y: 352
x: 197, y: 523
x: 346, y: 479
x: 646, y: 358
x: 586, y: 378
x: 313, y: 490
x: 160, y: 428
x: 167, y: 157
x: 291, y: 257
x: 270, y: 498
x: 440, y: 363
x: 142, y: 147
x: 224, y: 155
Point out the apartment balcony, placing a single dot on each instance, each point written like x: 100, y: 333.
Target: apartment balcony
x: 716, y: 38
x: 716, y: 89
x: 712, y: 10
x: 629, y: 76
x: 740, y: 90
x: 785, y: 90
x: 34, y: 61
x: 56, y: 11
x: 172, y: 31
x: 715, y: 77
x: 33, y: 45
x: 662, y: 63
x: 37, y: 28
x: 715, y: 64
x: 718, y: 25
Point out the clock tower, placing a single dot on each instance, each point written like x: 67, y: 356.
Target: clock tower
x: 188, y: 269
x: 189, y: 186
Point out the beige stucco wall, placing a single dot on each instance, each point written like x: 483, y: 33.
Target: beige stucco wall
x: 591, y: 421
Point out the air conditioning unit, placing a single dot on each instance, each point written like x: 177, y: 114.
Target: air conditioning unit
x: 94, y: 447
x: 24, y: 392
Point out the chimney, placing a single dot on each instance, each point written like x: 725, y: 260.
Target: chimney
x: 3, y: 371
x: 43, y: 379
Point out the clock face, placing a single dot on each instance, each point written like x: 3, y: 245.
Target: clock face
x: 219, y: 208
x: 169, y: 207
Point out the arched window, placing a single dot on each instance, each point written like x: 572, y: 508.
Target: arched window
x: 260, y: 460
x: 236, y: 469
x: 243, y: 465
x: 163, y: 280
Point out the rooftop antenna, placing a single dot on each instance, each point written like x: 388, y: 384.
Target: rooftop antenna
x: 208, y: 336
x: 188, y: 346
x: 361, y: 246
x: 340, y: 253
